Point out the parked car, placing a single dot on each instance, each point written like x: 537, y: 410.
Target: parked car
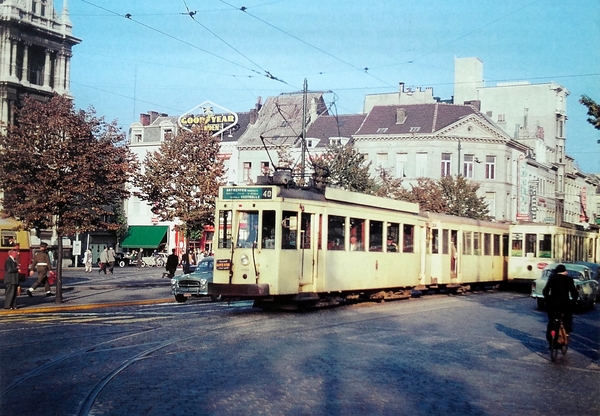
x: 122, y: 259
x: 595, y: 267
x: 195, y: 283
x: 582, y: 277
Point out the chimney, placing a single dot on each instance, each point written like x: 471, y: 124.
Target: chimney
x: 145, y: 119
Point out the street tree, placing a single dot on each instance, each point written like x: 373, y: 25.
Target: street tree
x: 181, y: 180
x: 460, y: 198
x: 345, y: 167
x: 429, y: 194
x: 593, y: 111
x: 63, y: 169
x: 388, y: 186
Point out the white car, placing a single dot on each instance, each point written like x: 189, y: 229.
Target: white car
x: 582, y: 277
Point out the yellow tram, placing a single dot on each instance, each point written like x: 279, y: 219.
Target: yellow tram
x: 280, y: 244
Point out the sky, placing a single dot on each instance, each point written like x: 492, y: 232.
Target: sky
x: 172, y: 55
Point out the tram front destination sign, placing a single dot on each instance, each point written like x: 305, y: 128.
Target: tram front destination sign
x: 240, y: 192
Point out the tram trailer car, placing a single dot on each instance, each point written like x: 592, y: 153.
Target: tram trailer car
x: 277, y: 244
x: 533, y: 246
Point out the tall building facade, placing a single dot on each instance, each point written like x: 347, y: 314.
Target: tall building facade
x: 35, y: 52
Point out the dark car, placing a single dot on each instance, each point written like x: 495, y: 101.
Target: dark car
x: 195, y: 283
x: 122, y: 259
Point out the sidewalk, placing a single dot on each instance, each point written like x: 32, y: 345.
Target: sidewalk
x: 84, y: 291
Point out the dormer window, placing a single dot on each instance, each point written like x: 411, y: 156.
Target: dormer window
x: 415, y: 129
x: 400, y: 116
x: 382, y: 130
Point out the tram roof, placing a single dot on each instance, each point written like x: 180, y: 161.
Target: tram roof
x: 340, y: 195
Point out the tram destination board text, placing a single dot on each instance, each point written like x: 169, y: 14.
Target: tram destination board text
x: 239, y: 192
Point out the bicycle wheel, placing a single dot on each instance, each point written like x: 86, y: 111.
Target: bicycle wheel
x: 553, y: 353
x: 564, y: 349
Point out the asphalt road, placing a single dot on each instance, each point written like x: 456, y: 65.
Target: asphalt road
x: 476, y: 354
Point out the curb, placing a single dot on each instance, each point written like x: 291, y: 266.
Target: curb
x: 67, y: 308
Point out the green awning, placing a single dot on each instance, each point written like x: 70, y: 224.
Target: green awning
x: 145, y: 236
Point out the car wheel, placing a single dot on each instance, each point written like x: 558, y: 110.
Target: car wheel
x: 216, y: 298
x: 121, y: 263
x: 540, y: 303
x: 159, y: 262
x: 180, y: 298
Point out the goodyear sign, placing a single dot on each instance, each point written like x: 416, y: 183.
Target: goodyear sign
x: 210, y: 117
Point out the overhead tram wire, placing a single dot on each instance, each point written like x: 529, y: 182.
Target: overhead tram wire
x: 129, y: 16
x: 365, y: 69
x: 266, y: 73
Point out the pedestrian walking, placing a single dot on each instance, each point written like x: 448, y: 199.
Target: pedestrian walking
x: 138, y: 258
x: 87, y: 260
x: 172, y: 263
x: 43, y: 266
x: 111, y: 260
x: 11, y: 280
x: 103, y: 261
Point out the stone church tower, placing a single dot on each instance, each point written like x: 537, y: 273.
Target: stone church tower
x: 35, y: 52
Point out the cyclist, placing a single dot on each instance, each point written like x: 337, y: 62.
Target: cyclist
x: 556, y: 293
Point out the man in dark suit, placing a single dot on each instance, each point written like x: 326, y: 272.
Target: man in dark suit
x: 11, y: 280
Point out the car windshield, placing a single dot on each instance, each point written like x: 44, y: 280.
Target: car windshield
x: 204, y: 266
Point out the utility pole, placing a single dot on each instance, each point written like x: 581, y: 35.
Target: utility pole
x: 304, y: 105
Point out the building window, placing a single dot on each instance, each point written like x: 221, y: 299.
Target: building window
x: 560, y: 125
x: 421, y: 165
x: 247, y: 171
x: 468, y: 166
x: 490, y: 167
x: 401, y: 159
x: 446, y: 157
x: 400, y: 116
x: 137, y: 138
x: 501, y: 118
x: 382, y: 160
x: 382, y: 130
x: 335, y: 142
x: 167, y: 134
x: 264, y: 168
x: 309, y: 143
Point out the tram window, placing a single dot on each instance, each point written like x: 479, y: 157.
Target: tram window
x: 289, y: 230
x: 408, y: 238
x: 393, y: 231
x: 487, y: 244
x: 591, y: 248
x: 336, y: 231
x: 476, y: 243
x: 224, y: 233
x: 467, y: 242
x: 496, y: 244
x: 268, y: 230
x: 516, y: 249
x: 375, y: 236
x: 530, y: 240
x: 453, y: 247
x: 445, y: 240
x: 435, y: 244
x: 357, y: 234
x: 9, y: 238
x: 305, y: 235
x: 545, y: 245
x: 247, y: 229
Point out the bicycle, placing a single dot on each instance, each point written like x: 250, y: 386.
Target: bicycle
x: 559, y: 339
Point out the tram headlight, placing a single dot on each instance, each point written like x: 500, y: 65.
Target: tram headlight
x: 244, y: 260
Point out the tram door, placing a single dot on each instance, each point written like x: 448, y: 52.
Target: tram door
x: 308, y: 245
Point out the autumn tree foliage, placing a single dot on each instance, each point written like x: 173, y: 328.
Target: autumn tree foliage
x: 460, y: 198
x: 343, y: 166
x: 593, y: 111
x: 181, y: 180
x: 63, y: 169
